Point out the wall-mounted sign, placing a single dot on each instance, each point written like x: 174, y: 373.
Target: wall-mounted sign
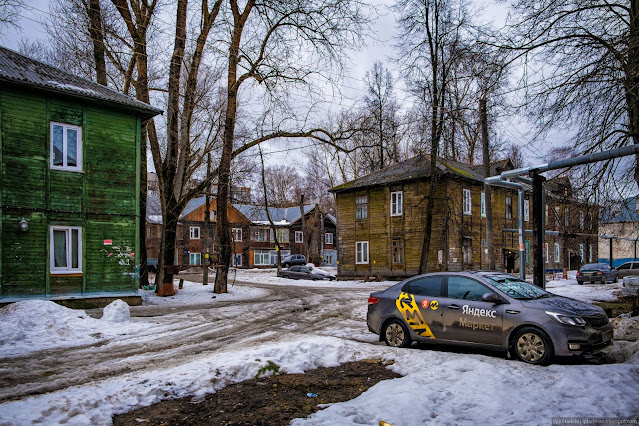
x: 108, y: 242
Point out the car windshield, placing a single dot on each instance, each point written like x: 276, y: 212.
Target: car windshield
x: 516, y: 288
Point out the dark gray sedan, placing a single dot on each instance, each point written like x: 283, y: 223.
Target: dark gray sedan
x: 487, y: 309
x: 299, y: 273
x: 597, y: 272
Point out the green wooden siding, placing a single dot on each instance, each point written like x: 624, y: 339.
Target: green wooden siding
x: 101, y: 199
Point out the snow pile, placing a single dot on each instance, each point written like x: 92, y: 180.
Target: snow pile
x: 116, y: 311
x: 586, y: 292
x: 34, y: 325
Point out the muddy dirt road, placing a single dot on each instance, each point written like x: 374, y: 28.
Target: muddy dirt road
x: 172, y: 335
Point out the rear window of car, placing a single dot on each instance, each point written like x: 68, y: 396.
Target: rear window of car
x: 465, y: 289
x: 625, y: 266
x: 425, y: 286
x: 635, y: 265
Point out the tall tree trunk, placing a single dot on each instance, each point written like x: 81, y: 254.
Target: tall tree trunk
x: 224, y: 174
x: 97, y: 36
x: 632, y: 79
x: 488, y: 204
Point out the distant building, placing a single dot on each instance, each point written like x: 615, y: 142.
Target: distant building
x: 619, y: 225
x: 381, y: 220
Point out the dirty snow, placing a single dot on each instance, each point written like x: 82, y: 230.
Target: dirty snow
x: 439, y: 386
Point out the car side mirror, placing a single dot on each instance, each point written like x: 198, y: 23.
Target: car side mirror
x: 492, y: 298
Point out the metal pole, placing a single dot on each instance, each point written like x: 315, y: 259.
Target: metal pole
x: 522, y: 246
x: 207, y: 217
x: 611, y: 252
x: 538, y: 209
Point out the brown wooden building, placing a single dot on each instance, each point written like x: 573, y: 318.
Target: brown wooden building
x: 381, y: 221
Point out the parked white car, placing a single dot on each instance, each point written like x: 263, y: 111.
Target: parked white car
x: 631, y: 285
x: 317, y: 271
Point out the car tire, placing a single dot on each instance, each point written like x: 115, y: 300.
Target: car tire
x: 396, y: 334
x: 580, y: 282
x: 533, y: 346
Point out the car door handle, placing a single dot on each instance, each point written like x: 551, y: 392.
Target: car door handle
x: 509, y: 311
x: 453, y: 307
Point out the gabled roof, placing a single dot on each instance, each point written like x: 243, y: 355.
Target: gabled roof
x: 627, y: 212
x: 22, y: 70
x: 287, y: 215
x: 418, y: 168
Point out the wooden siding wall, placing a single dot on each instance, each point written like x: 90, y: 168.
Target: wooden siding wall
x: 102, y: 199
x: 450, y: 228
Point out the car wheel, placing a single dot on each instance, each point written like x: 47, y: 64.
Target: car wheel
x: 533, y: 346
x: 396, y: 334
x: 580, y: 282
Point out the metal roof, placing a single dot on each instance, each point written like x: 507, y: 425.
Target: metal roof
x: 19, y: 69
x: 417, y: 168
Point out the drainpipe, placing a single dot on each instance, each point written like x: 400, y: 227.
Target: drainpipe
x: 520, y: 207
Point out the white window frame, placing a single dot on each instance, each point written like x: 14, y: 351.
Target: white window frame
x: 361, y: 253
x: 396, y: 205
x: 262, y: 254
x: 509, y: 207
x: 482, y: 206
x: 192, y: 232
x: 65, y: 128
x: 467, y: 203
x: 68, y: 232
x: 557, y: 252
x: 527, y: 210
x: 547, y: 253
x: 581, y: 253
x: 590, y: 253
x: 299, y: 236
x: 195, y: 255
x: 361, y: 205
x: 328, y: 238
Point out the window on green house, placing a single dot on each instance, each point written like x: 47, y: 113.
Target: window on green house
x: 66, y: 147
x: 66, y: 249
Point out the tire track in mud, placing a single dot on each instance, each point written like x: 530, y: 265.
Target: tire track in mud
x: 181, y: 336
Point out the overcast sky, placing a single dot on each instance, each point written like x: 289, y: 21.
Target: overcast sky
x: 378, y: 49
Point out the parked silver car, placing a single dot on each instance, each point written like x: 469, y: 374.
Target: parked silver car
x: 299, y: 273
x: 628, y: 268
x: 487, y: 309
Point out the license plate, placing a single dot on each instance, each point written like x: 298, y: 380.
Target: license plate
x: 607, y: 335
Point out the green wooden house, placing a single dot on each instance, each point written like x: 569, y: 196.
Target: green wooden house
x: 69, y: 184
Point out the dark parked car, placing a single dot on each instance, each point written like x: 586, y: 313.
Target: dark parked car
x: 299, y: 273
x: 293, y: 259
x: 487, y: 309
x: 596, y: 272
x: 628, y: 268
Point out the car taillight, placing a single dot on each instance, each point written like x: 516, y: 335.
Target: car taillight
x: 599, y: 273
x: 372, y: 300
x: 578, y: 273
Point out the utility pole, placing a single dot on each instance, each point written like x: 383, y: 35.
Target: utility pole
x: 207, y: 218
x: 488, y: 205
x: 539, y: 230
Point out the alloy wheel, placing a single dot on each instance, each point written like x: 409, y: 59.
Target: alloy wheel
x: 531, y: 347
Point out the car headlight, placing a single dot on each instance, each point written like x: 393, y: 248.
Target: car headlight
x: 567, y: 319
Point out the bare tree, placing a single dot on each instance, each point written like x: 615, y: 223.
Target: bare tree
x: 277, y: 184
x: 9, y: 13
x: 270, y: 44
x: 429, y: 43
x: 582, y: 71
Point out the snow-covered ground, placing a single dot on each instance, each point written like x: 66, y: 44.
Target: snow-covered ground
x: 439, y: 386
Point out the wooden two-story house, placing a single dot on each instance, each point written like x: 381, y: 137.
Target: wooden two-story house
x: 381, y: 221
x: 69, y: 184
